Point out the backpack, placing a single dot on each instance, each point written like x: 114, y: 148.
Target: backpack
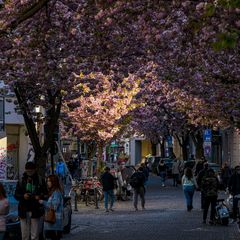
x: 60, y: 169
x: 135, y: 181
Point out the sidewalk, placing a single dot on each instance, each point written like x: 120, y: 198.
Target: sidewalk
x: 165, y: 218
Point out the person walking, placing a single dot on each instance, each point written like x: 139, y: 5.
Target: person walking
x: 162, y: 172
x: 108, y: 182
x: 145, y: 172
x: 61, y: 171
x: 120, y: 185
x: 54, y: 230
x: 200, y: 176
x: 137, y: 181
x: 225, y: 175
x: 189, y: 185
x: 28, y: 192
x: 175, y: 172
x: 4, y: 210
x: 234, y: 189
x: 209, y: 187
x: 198, y: 167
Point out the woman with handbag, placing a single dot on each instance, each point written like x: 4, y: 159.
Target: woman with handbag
x: 53, y: 219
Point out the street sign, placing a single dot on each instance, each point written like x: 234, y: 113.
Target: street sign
x: 207, y: 135
x: 207, y: 146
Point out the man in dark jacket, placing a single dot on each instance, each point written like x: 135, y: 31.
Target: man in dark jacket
x: 108, y: 183
x: 200, y: 176
x: 137, y: 182
x: 225, y: 175
x: 29, y: 190
x: 234, y: 189
x: 209, y: 187
x: 145, y: 172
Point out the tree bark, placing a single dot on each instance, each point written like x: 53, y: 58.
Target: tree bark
x: 162, y: 147
x: 198, y: 141
x: 99, y: 158
x: 91, y: 149
x: 183, y: 143
x: 184, y: 148
x: 28, y: 13
x: 52, y: 119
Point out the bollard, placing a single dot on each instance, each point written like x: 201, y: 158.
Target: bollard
x: 96, y: 198
x: 75, y: 202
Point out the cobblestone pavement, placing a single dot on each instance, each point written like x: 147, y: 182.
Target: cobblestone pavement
x: 165, y: 218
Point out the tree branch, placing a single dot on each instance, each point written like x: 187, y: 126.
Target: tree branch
x: 28, y: 13
x: 28, y: 121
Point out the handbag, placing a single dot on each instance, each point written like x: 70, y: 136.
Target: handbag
x: 50, y: 216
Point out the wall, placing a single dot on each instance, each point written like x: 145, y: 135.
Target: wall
x: 146, y: 148
x: 135, y: 151
x: 11, y: 117
x: 138, y: 151
x: 235, y: 149
x: 3, y: 158
x: 15, y: 121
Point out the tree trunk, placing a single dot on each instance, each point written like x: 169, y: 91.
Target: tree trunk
x: 162, y: 147
x: 198, y: 141
x: 183, y: 143
x: 52, y: 119
x: 99, y: 158
x: 91, y: 149
x: 185, y: 149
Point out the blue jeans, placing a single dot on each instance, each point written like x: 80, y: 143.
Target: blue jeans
x: 189, y: 192
x: 112, y: 198
x: 163, y: 177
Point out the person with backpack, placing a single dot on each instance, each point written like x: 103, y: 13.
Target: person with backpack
x: 145, y: 172
x: 29, y: 190
x: 108, y: 183
x: 61, y: 170
x: 198, y: 167
x: 209, y: 186
x: 137, y: 181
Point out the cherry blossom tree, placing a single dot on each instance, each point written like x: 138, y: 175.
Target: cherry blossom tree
x: 171, y: 42
x: 101, y: 110
x: 39, y: 55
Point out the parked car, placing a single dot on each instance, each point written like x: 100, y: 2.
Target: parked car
x: 216, y: 167
x: 13, y: 229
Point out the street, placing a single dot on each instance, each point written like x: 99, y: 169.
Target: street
x: 165, y: 217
